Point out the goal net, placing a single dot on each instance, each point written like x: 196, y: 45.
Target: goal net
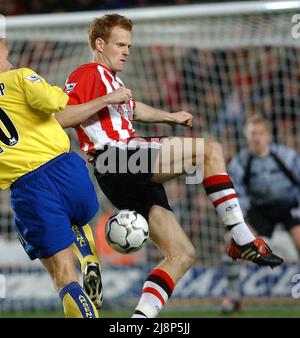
x: 221, y: 62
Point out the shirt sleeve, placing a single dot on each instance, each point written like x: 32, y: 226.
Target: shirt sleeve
x: 41, y: 95
x: 84, y: 85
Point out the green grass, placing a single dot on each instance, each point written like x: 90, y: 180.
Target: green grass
x: 278, y: 311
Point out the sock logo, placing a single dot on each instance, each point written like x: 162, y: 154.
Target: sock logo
x: 79, y: 237
x: 232, y: 206
x: 86, y: 307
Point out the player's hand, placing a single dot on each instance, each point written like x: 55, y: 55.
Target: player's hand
x: 120, y: 95
x: 184, y: 118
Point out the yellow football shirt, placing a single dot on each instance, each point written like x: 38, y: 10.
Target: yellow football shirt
x: 29, y: 133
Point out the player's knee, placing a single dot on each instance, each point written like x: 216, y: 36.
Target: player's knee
x: 213, y: 150
x: 185, y: 256
x: 188, y: 259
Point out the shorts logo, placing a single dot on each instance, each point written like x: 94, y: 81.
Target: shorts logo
x: 232, y: 206
x: 33, y: 78
x: 69, y: 87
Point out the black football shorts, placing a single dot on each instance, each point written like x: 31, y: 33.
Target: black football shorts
x: 124, y: 188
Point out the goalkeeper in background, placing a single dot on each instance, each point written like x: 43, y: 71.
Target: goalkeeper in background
x: 50, y: 187
x: 109, y: 134
x: 267, y: 180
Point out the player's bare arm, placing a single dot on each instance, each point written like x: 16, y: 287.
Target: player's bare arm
x: 76, y: 114
x: 148, y: 114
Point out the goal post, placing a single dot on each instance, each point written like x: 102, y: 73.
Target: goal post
x: 222, y: 62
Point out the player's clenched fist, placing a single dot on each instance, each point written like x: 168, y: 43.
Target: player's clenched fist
x: 184, y: 118
x: 120, y: 95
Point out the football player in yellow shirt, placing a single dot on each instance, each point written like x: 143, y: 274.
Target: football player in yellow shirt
x: 50, y: 187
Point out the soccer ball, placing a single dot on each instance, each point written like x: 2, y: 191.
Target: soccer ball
x: 126, y: 231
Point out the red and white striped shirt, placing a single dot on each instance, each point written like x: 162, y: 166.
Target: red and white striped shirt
x: 111, y: 125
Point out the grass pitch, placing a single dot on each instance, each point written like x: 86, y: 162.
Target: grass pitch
x: 278, y: 311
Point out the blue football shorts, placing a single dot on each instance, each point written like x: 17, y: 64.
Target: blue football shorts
x: 49, y: 200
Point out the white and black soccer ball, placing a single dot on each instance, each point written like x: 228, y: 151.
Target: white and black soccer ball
x: 126, y: 231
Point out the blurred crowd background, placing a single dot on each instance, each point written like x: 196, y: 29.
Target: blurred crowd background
x: 221, y: 87
x: 19, y: 7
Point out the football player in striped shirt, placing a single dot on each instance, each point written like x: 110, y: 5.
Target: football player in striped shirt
x: 50, y: 187
x: 109, y: 136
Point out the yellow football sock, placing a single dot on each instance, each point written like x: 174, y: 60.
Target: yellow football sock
x: 84, y: 246
x: 76, y: 302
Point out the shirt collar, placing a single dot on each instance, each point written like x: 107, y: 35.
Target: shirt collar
x: 108, y: 69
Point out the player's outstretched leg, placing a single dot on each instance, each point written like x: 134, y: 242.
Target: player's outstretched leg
x: 179, y: 254
x: 76, y: 302
x: 219, y: 189
x: 221, y: 192
x: 85, y: 249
